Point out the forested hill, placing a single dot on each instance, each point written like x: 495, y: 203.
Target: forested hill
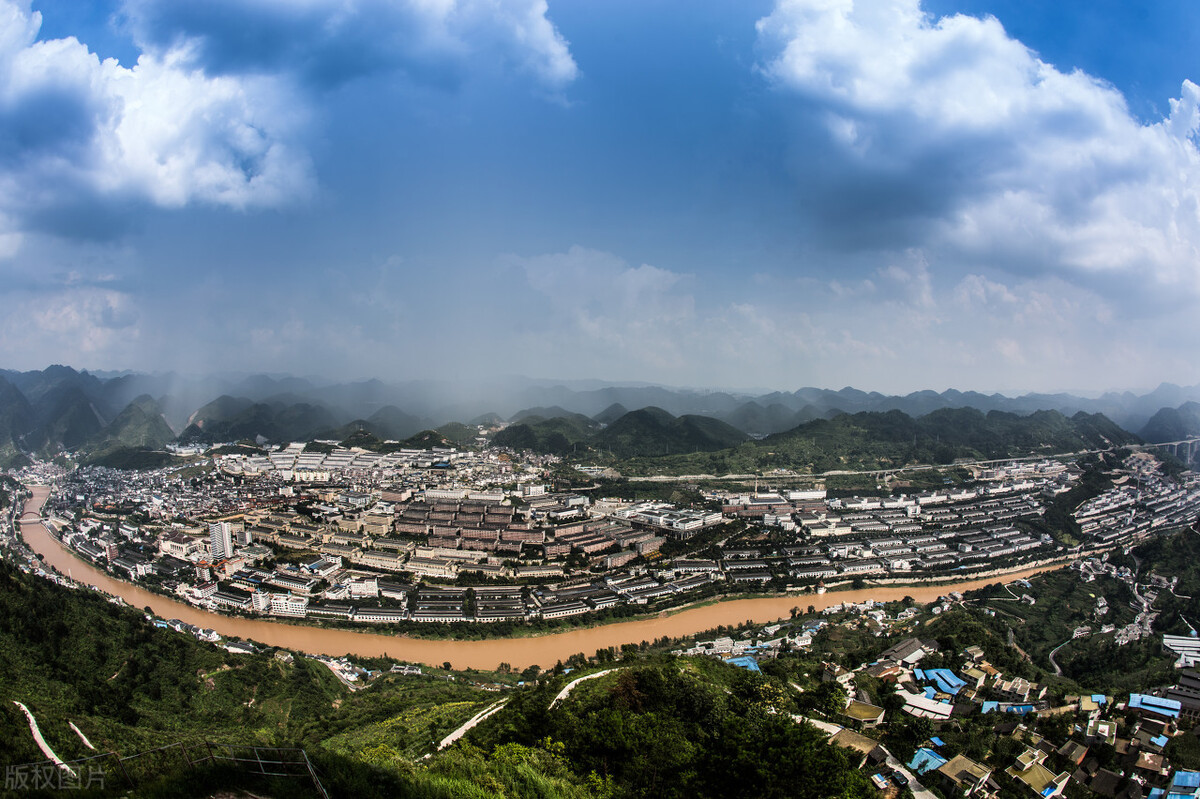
x: 120, y: 419
x: 680, y: 728
x: 1173, y: 424
x: 873, y: 440
x: 644, y: 432
x: 662, y: 726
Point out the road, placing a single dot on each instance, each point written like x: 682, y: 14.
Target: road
x: 41, y: 742
x: 566, y: 691
x: 1053, y: 662
x: 476, y: 719
x: 920, y: 467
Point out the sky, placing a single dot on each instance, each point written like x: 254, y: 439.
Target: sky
x: 995, y: 195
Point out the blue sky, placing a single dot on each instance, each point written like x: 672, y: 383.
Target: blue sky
x: 892, y: 195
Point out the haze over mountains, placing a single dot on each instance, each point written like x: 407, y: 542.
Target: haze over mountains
x: 62, y: 408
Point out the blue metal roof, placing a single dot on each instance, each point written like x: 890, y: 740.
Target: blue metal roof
x: 1186, y: 779
x: 1155, y: 704
x: 937, y: 741
x: 746, y: 662
x: 926, y: 760
x: 947, y: 681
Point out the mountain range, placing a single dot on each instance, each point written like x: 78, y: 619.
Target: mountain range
x: 59, y: 408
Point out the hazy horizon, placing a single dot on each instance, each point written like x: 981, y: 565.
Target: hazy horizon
x: 582, y: 384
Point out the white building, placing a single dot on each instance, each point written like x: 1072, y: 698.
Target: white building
x: 289, y: 605
x: 221, y: 540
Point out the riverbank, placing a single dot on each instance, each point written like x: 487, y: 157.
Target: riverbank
x: 539, y: 650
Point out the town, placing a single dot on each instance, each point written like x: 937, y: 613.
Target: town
x: 418, y: 540
x: 445, y: 536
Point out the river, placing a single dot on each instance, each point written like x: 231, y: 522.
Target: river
x: 542, y: 650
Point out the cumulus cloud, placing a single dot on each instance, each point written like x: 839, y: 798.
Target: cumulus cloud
x: 328, y: 42
x: 949, y: 135
x: 75, y: 129
x: 215, y: 109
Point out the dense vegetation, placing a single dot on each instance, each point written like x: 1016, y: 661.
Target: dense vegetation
x: 670, y: 726
x: 680, y: 728
x: 1173, y: 424
x: 557, y: 435
x: 72, y: 656
x: 278, y: 421
x: 892, y: 439
x: 140, y: 424
x: 130, y: 458
x: 641, y: 433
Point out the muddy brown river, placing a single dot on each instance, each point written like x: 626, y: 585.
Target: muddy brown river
x: 541, y: 650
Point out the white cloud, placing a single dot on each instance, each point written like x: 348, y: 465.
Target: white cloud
x: 215, y: 108
x: 79, y: 128
x: 906, y: 328
x: 1031, y: 168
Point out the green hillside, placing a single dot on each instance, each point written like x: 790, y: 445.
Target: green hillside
x: 73, y: 657
x: 645, y: 432
x: 756, y: 419
x: 556, y: 435
x: 463, y: 435
x: 16, y: 419
x: 277, y: 422
x: 66, y: 419
x: 665, y: 726
x: 884, y: 440
x: 684, y: 728
x: 611, y: 414
x: 391, y: 422
x: 140, y: 424
x: 1173, y: 424
x: 221, y: 409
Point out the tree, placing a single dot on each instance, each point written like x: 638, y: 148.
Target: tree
x: 829, y: 698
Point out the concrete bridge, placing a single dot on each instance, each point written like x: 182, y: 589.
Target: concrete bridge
x: 1186, y: 450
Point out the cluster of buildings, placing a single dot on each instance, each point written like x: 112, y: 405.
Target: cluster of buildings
x: 877, y: 536
x: 1141, y: 501
x: 1117, y: 746
x: 329, y: 463
x: 1114, y: 746
x: 347, y: 533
